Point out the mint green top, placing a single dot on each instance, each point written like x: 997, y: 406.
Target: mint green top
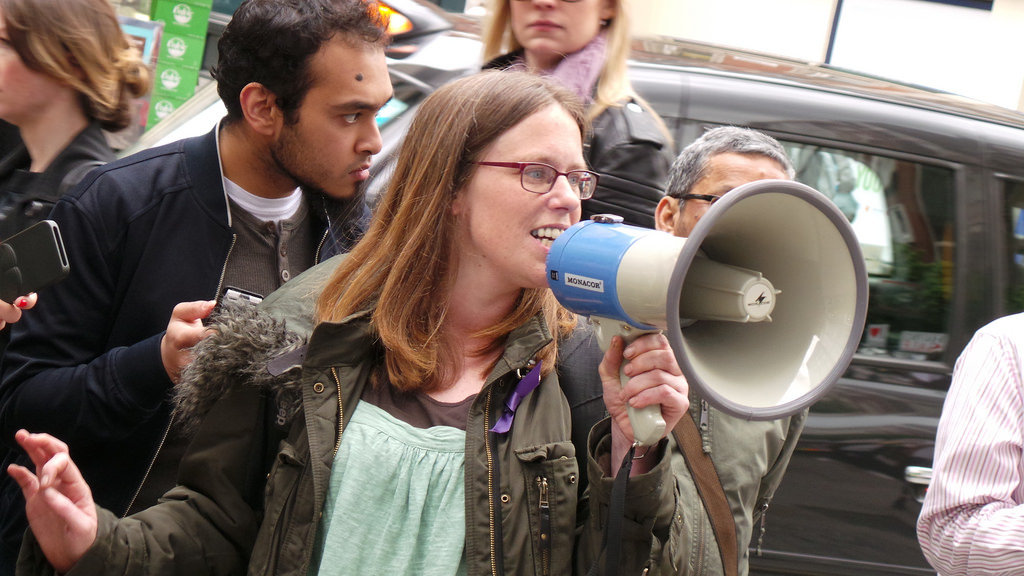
x: 396, y: 501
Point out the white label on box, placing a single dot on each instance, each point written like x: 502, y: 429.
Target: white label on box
x: 925, y: 342
x: 876, y: 335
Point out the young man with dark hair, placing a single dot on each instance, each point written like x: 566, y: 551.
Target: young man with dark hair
x: 154, y: 238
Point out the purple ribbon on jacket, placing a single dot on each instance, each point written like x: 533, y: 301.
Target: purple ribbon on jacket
x: 522, y: 390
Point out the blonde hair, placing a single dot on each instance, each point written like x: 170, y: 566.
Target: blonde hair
x: 80, y: 43
x: 613, y: 86
x: 405, y: 264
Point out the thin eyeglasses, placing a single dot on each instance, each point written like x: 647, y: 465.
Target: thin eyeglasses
x: 539, y: 178
x: 709, y: 198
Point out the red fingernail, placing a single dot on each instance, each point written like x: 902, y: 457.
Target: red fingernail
x: 21, y: 302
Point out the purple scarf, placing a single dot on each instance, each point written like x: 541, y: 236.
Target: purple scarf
x: 577, y: 71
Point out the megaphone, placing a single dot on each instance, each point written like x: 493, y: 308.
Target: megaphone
x: 763, y: 304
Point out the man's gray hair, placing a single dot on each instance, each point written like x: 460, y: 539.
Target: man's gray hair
x: 692, y: 163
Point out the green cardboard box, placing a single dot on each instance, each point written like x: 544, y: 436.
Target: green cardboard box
x: 175, y: 81
x: 182, y: 18
x: 160, y: 107
x: 184, y: 51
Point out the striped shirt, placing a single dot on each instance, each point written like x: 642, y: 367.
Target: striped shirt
x: 972, y: 522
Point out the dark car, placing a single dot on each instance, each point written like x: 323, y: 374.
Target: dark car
x: 933, y: 185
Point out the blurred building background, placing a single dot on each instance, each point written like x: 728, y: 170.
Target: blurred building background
x: 973, y: 48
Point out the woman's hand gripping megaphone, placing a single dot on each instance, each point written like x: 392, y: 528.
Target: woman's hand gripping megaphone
x: 647, y: 422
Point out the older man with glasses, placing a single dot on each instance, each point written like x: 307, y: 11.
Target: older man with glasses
x: 749, y: 457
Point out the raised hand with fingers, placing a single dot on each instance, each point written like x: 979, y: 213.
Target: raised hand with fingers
x: 58, y: 502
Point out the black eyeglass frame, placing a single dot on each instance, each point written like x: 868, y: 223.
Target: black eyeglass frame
x: 522, y: 166
x: 709, y: 198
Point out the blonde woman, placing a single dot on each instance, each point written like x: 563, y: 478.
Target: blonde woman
x: 67, y: 72
x: 584, y: 44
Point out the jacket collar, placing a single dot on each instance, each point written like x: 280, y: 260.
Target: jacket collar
x: 341, y: 343
x: 202, y: 160
x: 88, y: 146
x: 521, y: 347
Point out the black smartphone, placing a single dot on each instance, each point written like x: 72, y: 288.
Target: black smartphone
x: 235, y: 296
x: 32, y: 259
x: 232, y: 294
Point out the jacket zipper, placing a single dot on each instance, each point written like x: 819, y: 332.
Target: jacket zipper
x: 341, y: 414
x: 224, y: 269
x: 545, y: 526
x: 320, y: 246
x: 490, y: 484
x: 170, y: 421
x: 152, y: 461
x: 763, y: 529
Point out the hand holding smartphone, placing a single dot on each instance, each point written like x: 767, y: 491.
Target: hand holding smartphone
x: 31, y: 260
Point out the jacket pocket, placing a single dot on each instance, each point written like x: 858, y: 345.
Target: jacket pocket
x: 550, y: 477
x: 283, y: 481
x: 691, y: 547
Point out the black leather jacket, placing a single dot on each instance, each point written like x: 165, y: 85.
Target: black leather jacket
x: 630, y: 152
x: 633, y: 156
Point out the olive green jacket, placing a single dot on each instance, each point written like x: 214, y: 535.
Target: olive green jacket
x: 252, y: 486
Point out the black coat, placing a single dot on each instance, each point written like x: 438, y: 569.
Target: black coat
x: 27, y: 197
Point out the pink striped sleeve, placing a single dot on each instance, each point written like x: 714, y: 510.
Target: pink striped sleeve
x: 972, y: 522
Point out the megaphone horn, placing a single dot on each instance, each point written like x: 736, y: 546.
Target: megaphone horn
x: 764, y: 304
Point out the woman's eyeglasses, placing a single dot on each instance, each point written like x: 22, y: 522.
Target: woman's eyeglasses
x: 540, y: 178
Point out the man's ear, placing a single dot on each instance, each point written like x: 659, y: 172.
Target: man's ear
x: 260, y: 109
x: 665, y: 214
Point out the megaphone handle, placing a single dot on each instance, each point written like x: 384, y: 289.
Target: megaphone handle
x: 647, y: 422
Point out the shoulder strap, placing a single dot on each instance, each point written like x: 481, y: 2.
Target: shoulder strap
x: 710, y: 489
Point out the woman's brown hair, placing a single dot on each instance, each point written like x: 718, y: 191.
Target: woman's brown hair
x: 80, y: 43
x: 404, y: 266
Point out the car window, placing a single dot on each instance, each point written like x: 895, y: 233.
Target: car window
x: 902, y: 213
x: 1013, y: 193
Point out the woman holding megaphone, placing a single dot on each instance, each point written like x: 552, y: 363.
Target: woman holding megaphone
x: 421, y: 429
